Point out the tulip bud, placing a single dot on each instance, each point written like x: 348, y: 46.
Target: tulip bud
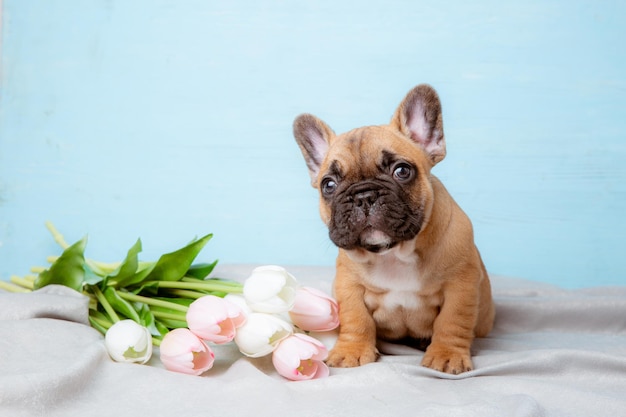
x: 261, y: 334
x: 127, y: 341
x: 214, y: 319
x: 300, y: 357
x: 314, y: 311
x: 182, y: 351
x: 270, y: 289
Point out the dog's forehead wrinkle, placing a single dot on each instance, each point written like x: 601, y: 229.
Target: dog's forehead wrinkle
x: 387, y: 158
x: 358, y: 138
x: 334, y: 169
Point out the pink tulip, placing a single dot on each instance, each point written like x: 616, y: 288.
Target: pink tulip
x: 182, y: 351
x: 314, y: 311
x: 214, y: 319
x: 300, y: 357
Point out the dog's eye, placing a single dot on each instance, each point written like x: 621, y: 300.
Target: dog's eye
x: 402, y: 172
x: 329, y: 186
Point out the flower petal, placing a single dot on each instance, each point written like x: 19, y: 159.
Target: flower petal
x: 322, y: 370
x: 270, y: 289
x: 240, y: 301
x: 208, y: 318
x: 235, y: 312
x: 127, y: 341
x: 261, y: 334
x: 299, y: 357
x: 313, y: 310
x: 319, y: 351
x: 182, y: 351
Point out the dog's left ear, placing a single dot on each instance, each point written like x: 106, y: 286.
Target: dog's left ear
x: 313, y: 137
x: 419, y: 118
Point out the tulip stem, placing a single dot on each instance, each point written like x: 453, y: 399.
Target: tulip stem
x: 99, y: 324
x: 7, y: 286
x: 187, y: 293
x: 152, y: 301
x: 218, y: 281
x: 58, y: 237
x: 22, y: 282
x: 105, y: 304
x: 169, y: 316
x: 200, y: 285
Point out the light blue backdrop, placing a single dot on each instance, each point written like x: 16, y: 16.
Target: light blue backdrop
x: 166, y: 119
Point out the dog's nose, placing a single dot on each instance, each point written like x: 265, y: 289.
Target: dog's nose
x: 365, y: 199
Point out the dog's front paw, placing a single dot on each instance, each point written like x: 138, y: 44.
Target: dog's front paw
x: 351, y: 354
x: 452, y: 361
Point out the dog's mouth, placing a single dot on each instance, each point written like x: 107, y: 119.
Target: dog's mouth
x: 375, y: 241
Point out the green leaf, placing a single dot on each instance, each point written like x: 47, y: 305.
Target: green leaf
x: 148, y: 289
x: 91, y: 277
x: 136, y: 278
x: 128, y: 267
x: 162, y: 328
x: 201, y: 271
x: 120, y: 305
x: 171, y: 266
x: 68, y: 270
x: 147, y: 319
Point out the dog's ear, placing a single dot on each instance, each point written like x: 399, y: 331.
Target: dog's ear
x: 419, y: 118
x: 313, y: 137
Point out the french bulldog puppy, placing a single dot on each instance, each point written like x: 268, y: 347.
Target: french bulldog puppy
x: 408, y: 267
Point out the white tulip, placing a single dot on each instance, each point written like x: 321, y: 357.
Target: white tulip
x: 261, y: 334
x: 240, y: 301
x: 127, y: 341
x: 270, y: 289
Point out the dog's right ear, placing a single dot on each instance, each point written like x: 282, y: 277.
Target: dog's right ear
x: 313, y: 137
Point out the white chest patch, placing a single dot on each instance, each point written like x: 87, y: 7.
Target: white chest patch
x: 393, y: 282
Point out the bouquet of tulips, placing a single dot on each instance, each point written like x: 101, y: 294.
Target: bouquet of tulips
x: 173, y: 304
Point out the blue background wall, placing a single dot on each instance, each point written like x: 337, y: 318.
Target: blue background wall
x: 167, y: 119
